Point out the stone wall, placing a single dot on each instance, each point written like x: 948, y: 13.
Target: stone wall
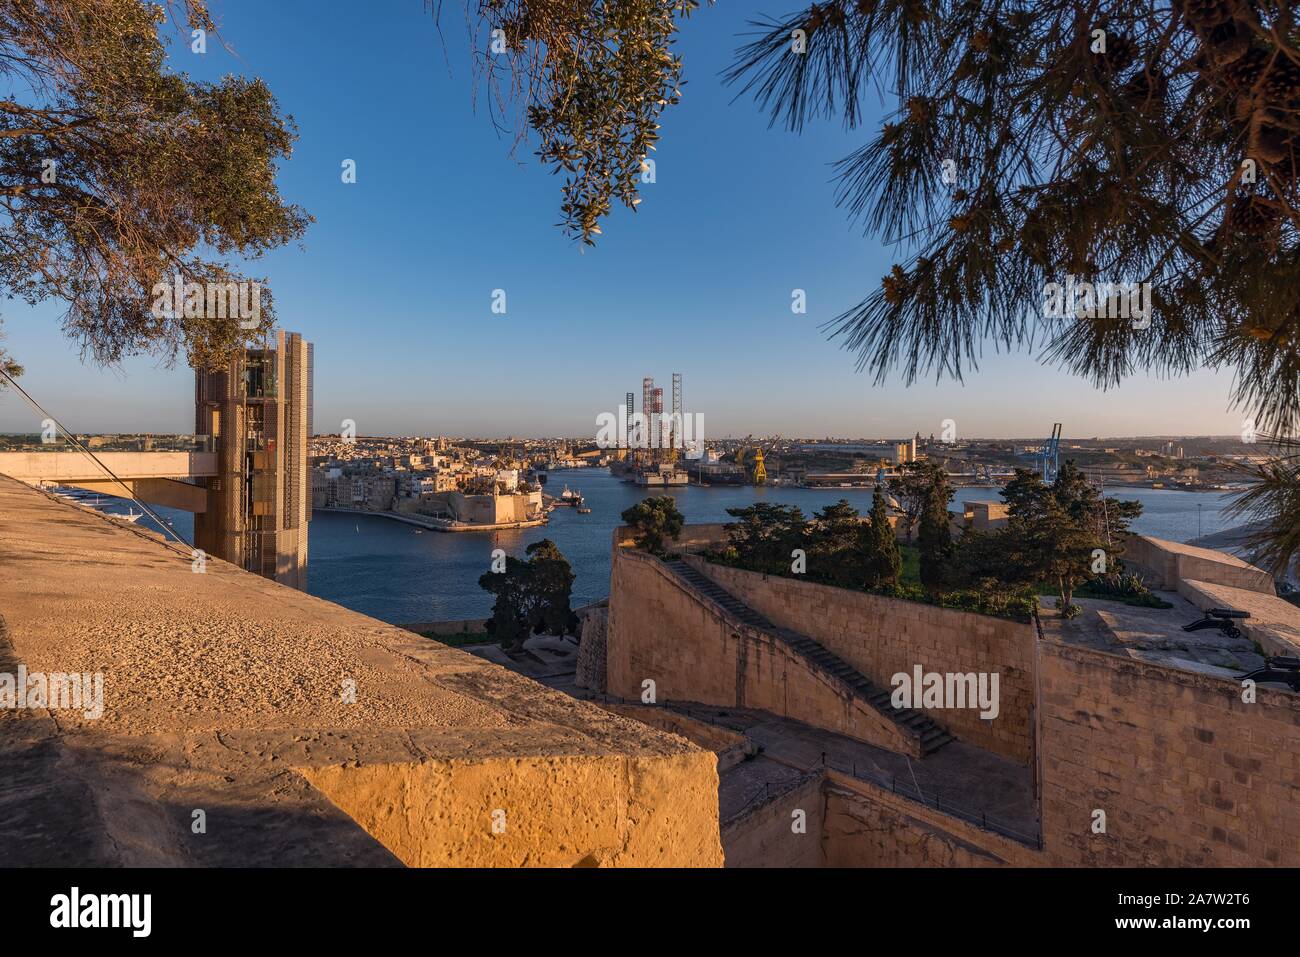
x: 1274, y: 623
x: 884, y: 636
x: 591, y: 650
x: 764, y: 835
x: 661, y: 631
x: 867, y: 826
x: 1187, y: 774
x: 730, y: 747
x: 357, y: 743
x: 1163, y: 565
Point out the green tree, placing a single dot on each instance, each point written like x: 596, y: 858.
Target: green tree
x: 1056, y: 548
x: 882, y: 558
x: 833, y: 544
x: 117, y: 174
x: 934, y: 539
x: 512, y: 611
x: 1057, y: 533
x: 653, y: 520
x: 1270, y: 506
x: 910, y: 487
x: 765, y: 534
x: 552, y: 587
x: 589, y: 81
x: 531, y: 596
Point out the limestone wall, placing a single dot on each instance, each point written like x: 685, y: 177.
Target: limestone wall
x: 598, y: 811
x: 660, y: 631
x: 591, y: 650
x: 1187, y: 774
x: 730, y: 747
x: 309, y: 734
x: 1163, y: 565
x: 867, y: 826
x: 883, y: 636
x: 765, y: 836
x: 1274, y: 623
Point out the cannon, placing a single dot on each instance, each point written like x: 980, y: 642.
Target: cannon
x: 1224, y: 619
x: 1283, y: 668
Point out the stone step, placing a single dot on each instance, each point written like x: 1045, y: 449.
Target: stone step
x: 915, y: 723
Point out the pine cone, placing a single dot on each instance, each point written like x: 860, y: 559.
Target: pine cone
x: 1245, y: 71
x: 1282, y: 82
x: 1210, y: 13
x: 1228, y: 42
x: 1268, y: 142
x: 895, y: 286
x: 1120, y: 54
x: 1254, y: 216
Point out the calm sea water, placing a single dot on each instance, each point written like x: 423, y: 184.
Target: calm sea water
x: 390, y: 571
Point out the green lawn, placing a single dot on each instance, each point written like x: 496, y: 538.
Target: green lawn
x: 911, y: 574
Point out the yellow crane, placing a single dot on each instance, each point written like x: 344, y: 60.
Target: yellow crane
x: 760, y: 466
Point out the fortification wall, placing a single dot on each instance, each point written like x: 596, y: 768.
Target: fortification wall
x: 884, y: 636
x: 661, y: 631
x: 1163, y: 565
x: 866, y: 826
x: 765, y: 835
x: 1187, y: 774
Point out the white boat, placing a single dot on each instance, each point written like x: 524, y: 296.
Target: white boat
x: 132, y: 516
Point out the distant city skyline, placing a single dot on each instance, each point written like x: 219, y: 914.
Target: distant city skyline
x: 394, y: 281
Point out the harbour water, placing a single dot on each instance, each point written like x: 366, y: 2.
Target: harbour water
x: 393, y: 572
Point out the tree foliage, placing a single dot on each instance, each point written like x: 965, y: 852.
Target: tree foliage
x: 589, y: 81
x: 884, y: 561
x: 654, y: 520
x: 116, y: 173
x: 531, y: 596
x: 910, y: 487
x: 1165, y: 154
x: 833, y: 542
x: 1270, y: 506
x: 934, y: 537
x: 766, y: 533
x: 1063, y: 533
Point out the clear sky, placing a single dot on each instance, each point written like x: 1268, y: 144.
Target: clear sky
x: 394, y: 280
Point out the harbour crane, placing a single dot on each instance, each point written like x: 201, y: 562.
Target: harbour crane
x: 1052, y: 454
x: 759, y: 474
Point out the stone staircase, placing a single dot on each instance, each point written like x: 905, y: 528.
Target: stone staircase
x: 913, y: 723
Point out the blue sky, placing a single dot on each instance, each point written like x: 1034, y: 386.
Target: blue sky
x: 394, y: 280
